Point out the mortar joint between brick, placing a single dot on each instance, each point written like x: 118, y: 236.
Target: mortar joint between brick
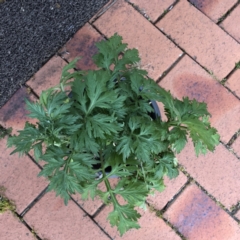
x: 100, y: 209
x: 31, y: 90
x: 34, y: 161
x: 159, y: 214
x: 139, y: 10
x: 225, y: 15
x: 31, y: 229
x: 31, y: 205
x: 229, y: 148
x: 91, y: 217
x: 166, y: 12
x: 165, y: 73
x: 103, y: 10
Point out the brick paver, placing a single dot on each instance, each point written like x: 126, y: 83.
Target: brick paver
x: 48, y: 76
x: 156, y: 51
x: 216, y: 172
x: 154, y: 8
x: 214, y: 9
x: 173, y: 186
x: 236, y: 146
x: 203, y: 40
x: 233, y: 82
x: 19, y: 177
x: 14, y: 114
x: 152, y: 227
x: 82, y: 45
x: 189, y: 79
x: 197, y: 217
x: 12, y: 228
x: 229, y: 26
x: 53, y: 220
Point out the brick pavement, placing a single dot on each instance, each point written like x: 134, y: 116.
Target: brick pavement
x: 189, y: 47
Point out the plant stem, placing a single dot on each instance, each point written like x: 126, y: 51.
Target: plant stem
x: 107, y: 183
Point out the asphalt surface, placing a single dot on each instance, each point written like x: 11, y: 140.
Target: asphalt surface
x: 32, y: 31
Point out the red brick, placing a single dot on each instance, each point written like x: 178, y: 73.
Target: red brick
x: 217, y: 172
x: 214, y: 9
x: 156, y: 51
x: 53, y: 220
x: 12, y: 228
x: 154, y: 8
x: 19, y: 177
x: 187, y: 78
x: 236, y: 146
x: 201, y: 38
x: 152, y: 227
x: 198, y: 217
x: 82, y: 45
x: 173, y: 186
x: 48, y: 76
x: 233, y: 82
x: 230, y: 23
x: 13, y: 113
x: 91, y: 206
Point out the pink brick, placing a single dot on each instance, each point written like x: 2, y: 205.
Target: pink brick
x: 217, y: 172
x: 153, y: 8
x: 13, y: 113
x: 53, y: 220
x: 230, y: 24
x: 214, y: 9
x: 152, y: 227
x: 82, y: 45
x: 173, y: 186
x: 19, y: 177
x: 233, y: 82
x: 48, y: 76
x: 13, y: 229
x: 187, y: 78
x: 156, y: 51
x: 197, y: 217
x: 202, y: 39
x: 236, y: 146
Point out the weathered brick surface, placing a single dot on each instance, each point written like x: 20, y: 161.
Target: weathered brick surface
x: 187, y: 78
x: 152, y: 227
x: 13, y: 113
x: 13, y: 229
x: 217, y: 172
x: 207, y: 43
x: 82, y: 45
x: 53, y: 220
x: 173, y: 186
x: 153, y: 8
x: 214, y: 9
x: 156, y: 51
x: 48, y: 76
x: 19, y: 177
x: 236, y: 146
x: 230, y: 24
x: 233, y: 82
x: 197, y: 217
